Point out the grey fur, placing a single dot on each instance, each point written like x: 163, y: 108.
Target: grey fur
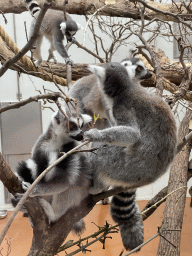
x: 54, y: 28
x: 125, y: 211
x: 90, y: 97
x: 67, y: 184
x: 138, y: 149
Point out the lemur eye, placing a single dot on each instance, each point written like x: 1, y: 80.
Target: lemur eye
x: 139, y: 68
x: 72, y: 126
x: 67, y: 33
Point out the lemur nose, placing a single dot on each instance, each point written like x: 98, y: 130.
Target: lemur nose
x: 79, y: 136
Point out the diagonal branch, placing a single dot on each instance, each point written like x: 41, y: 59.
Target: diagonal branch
x: 9, y: 179
x: 25, y: 196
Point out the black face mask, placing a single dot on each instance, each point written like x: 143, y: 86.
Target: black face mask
x: 68, y: 36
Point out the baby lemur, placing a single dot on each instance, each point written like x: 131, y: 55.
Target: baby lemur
x: 66, y: 184
x: 54, y: 28
x: 135, y: 151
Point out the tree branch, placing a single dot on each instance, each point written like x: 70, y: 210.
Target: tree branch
x: 121, y: 8
x: 52, y: 96
x: 9, y: 179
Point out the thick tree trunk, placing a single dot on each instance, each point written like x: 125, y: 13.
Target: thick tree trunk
x: 121, y: 8
x: 175, y: 203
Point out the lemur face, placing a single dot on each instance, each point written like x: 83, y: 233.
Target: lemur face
x: 70, y: 126
x: 136, y: 69
x: 76, y: 124
x: 69, y: 29
x: 69, y: 35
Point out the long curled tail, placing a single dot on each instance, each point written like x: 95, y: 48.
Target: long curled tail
x: 125, y: 211
x: 33, y: 7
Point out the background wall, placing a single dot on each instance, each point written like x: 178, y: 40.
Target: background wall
x: 28, y: 85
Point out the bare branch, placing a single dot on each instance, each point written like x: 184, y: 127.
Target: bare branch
x: 87, y: 50
x: 9, y: 179
x: 52, y: 96
x: 183, y: 88
x: 121, y: 8
x: 141, y: 245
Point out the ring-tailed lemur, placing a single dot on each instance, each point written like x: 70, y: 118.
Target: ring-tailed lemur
x: 54, y: 28
x: 134, y: 152
x: 89, y: 95
x: 91, y: 99
x: 66, y: 184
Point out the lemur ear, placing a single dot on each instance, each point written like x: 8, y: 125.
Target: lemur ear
x: 86, y: 118
x: 63, y: 26
x: 98, y: 71
x: 79, y: 26
x: 58, y: 116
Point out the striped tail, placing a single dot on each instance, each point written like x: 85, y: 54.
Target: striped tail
x: 125, y: 211
x: 33, y: 7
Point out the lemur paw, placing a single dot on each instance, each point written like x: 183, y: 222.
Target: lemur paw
x: 92, y: 135
x: 38, y: 63
x: 52, y: 57
x: 68, y: 61
x: 73, y: 40
x: 25, y: 185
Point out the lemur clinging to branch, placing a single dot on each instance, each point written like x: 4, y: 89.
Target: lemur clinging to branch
x: 66, y: 184
x: 136, y: 150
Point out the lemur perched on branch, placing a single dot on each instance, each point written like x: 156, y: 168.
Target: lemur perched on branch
x: 136, y: 150
x: 54, y: 28
x: 66, y: 184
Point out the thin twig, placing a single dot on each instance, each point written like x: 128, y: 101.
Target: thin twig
x: 4, y: 17
x: 87, y: 50
x: 53, y: 96
x: 141, y: 245
x: 84, y: 36
x: 101, y: 230
x: 162, y: 200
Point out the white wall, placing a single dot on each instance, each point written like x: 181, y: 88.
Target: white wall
x: 29, y: 85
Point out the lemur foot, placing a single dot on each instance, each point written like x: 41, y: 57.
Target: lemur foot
x: 25, y: 185
x: 38, y: 63
x: 52, y: 57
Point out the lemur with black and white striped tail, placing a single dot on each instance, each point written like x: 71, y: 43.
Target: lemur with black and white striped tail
x: 54, y: 28
x: 66, y: 184
x: 136, y: 150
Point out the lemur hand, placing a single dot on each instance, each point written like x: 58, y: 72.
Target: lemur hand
x: 68, y: 61
x: 92, y: 135
x: 25, y: 185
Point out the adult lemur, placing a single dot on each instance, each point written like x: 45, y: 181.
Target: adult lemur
x: 68, y: 182
x: 135, y: 151
x: 54, y: 28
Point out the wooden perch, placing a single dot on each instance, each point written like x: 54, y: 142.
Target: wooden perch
x: 121, y: 8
